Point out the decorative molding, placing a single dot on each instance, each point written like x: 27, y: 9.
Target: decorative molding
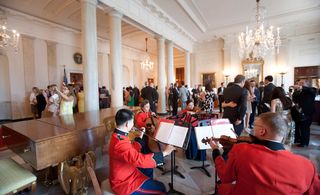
x: 192, y: 15
x: 155, y: 9
x: 148, y: 17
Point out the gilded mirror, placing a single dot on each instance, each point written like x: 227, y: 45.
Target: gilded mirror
x: 253, y: 69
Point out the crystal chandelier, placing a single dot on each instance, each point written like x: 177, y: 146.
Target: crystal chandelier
x: 7, y: 37
x: 254, y: 44
x: 147, y: 64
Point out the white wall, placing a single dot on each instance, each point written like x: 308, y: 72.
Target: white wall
x: 208, y: 58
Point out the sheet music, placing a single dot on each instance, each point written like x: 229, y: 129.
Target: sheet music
x: 177, y: 136
x: 164, y: 131
x: 223, y: 129
x: 203, y: 132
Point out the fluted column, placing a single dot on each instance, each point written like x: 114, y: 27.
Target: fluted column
x: 89, y: 50
x: 161, y: 76
x: 116, y: 58
x: 170, y: 63
x: 187, y: 69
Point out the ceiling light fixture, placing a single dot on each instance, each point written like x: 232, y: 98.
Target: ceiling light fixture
x: 147, y: 64
x: 254, y: 44
x: 7, y: 37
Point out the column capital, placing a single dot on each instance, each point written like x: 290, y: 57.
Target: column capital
x: 169, y: 41
x: 160, y: 38
x: 92, y: 2
x: 115, y: 13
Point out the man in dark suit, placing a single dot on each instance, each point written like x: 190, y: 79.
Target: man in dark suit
x: 236, y: 94
x: 266, y: 94
x: 255, y: 103
x: 220, y: 96
x: 150, y: 94
x: 136, y: 93
x: 175, y: 97
x: 305, y: 98
x: 261, y: 86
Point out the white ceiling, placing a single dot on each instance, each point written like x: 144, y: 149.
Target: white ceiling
x: 203, y: 19
x: 207, y: 19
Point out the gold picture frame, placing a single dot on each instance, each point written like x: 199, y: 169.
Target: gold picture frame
x: 253, y: 69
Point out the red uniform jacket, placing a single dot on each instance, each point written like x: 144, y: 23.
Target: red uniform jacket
x: 141, y: 118
x: 125, y: 159
x: 257, y: 169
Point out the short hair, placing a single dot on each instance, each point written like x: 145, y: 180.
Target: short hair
x: 269, y: 78
x: 123, y: 115
x: 145, y: 102
x: 182, y: 82
x: 239, y: 78
x: 276, y: 122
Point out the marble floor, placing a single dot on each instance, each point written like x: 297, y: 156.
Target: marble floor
x: 195, y: 181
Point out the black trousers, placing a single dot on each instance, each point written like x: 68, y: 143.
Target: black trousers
x: 253, y: 114
x: 238, y: 128
x: 174, y: 107
x: 302, y: 131
x: 220, y: 103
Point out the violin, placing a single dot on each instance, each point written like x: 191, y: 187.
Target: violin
x: 227, y: 142
x: 151, y: 124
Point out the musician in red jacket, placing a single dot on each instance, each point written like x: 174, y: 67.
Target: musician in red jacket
x: 188, y: 111
x: 144, y: 114
x: 265, y: 167
x: 125, y: 158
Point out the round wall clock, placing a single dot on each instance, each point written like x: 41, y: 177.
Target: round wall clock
x: 77, y: 57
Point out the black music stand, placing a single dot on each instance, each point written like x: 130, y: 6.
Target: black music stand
x: 173, y: 171
x: 174, y: 168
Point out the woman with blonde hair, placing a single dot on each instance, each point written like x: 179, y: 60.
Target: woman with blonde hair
x: 66, y: 104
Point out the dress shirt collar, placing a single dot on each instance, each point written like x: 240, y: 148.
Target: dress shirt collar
x: 118, y: 131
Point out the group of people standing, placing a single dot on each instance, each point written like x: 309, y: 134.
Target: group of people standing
x: 53, y: 102
x: 241, y: 98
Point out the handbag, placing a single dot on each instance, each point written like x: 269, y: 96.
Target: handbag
x: 297, y: 113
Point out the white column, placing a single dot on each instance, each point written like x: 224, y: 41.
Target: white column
x: 170, y: 63
x: 161, y: 76
x: 187, y: 69
x: 116, y: 59
x: 89, y: 50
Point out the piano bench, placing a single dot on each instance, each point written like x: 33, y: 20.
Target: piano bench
x: 14, y: 177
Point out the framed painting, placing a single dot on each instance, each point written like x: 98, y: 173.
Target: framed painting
x: 209, y: 78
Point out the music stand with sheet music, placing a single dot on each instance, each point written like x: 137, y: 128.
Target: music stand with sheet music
x: 203, y: 166
x: 217, y: 128
x: 173, y: 170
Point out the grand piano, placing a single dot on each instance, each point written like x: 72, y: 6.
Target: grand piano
x: 46, y: 142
